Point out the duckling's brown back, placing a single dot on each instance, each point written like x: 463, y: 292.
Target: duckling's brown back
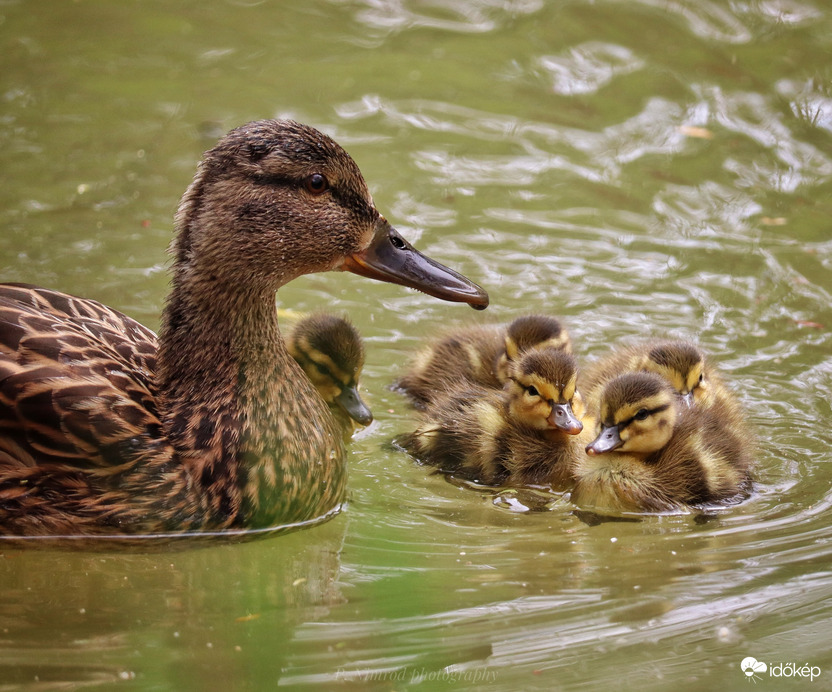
x: 467, y: 355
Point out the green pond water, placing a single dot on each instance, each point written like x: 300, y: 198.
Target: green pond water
x: 637, y: 168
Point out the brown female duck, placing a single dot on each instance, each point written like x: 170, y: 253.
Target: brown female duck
x: 523, y: 434
x: 479, y: 354
x: 104, y: 429
x: 329, y: 350
x: 652, y: 453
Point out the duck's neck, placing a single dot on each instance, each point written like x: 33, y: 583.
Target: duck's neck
x: 254, y: 436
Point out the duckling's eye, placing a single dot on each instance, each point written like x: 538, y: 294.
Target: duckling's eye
x: 642, y: 414
x: 701, y: 379
x: 316, y: 184
x: 531, y: 390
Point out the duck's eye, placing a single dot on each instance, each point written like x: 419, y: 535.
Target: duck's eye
x: 701, y: 379
x: 642, y: 414
x: 531, y: 390
x: 316, y: 184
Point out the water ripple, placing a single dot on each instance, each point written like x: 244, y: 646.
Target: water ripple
x: 469, y: 16
x: 586, y: 68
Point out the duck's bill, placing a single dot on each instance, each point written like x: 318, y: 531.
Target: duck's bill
x: 350, y: 400
x: 389, y: 257
x: 564, y: 419
x: 607, y: 441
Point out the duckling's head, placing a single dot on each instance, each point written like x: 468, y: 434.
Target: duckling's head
x: 530, y: 332
x: 682, y: 364
x: 275, y: 199
x: 637, y: 414
x: 331, y: 353
x: 542, y: 391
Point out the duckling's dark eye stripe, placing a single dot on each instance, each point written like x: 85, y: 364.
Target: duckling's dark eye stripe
x: 651, y: 412
x: 323, y: 370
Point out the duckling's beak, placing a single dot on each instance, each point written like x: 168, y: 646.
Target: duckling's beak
x: 607, y: 441
x: 687, y: 399
x: 562, y: 417
x: 350, y: 400
x: 389, y: 257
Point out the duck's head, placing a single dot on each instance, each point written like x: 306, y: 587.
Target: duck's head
x: 682, y: 364
x: 531, y: 332
x: 329, y: 350
x: 637, y: 414
x: 275, y: 199
x: 542, y: 391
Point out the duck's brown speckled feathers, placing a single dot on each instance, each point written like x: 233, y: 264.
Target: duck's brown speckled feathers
x: 79, y: 426
x: 106, y: 430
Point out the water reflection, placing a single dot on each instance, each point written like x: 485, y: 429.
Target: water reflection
x: 102, y: 615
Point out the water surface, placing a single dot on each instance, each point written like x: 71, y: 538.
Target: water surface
x: 640, y: 168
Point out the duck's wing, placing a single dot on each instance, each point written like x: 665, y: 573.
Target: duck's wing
x: 78, y: 422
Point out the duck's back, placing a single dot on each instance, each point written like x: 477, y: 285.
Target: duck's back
x: 79, y: 431
x: 467, y: 355
x: 705, y: 460
x: 462, y: 432
x: 607, y: 367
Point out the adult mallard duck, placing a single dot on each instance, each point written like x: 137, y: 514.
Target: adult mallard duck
x: 652, y: 453
x: 329, y: 350
x: 523, y: 434
x: 479, y: 354
x: 104, y: 429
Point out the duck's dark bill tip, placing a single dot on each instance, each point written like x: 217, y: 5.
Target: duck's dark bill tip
x: 389, y: 257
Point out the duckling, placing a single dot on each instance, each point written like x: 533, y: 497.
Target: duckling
x: 478, y: 354
x: 681, y: 363
x: 653, y: 454
x: 525, y: 433
x: 105, y: 429
x: 330, y: 352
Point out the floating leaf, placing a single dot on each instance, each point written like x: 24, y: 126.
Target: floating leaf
x: 698, y: 132
x: 247, y: 618
x: 808, y: 323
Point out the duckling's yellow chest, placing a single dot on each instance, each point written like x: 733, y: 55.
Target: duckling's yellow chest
x: 612, y: 482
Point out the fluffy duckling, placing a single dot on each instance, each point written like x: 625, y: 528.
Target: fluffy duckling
x: 105, y: 429
x: 681, y: 363
x: 652, y: 453
x: 330, y: 351
x: 480, y: 355
x: 525, y: 433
